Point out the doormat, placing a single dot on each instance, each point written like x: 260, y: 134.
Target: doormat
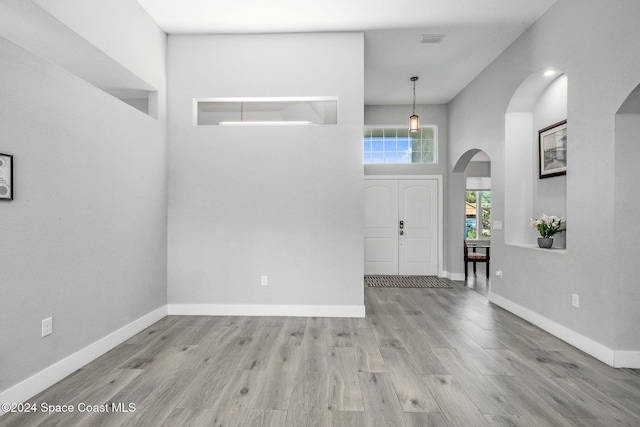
x: 405, y: 282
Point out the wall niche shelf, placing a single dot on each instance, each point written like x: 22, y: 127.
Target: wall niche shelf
x: 557, y: 251
x: 539, y: 101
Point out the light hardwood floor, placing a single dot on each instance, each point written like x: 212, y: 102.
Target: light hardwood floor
x: 422, y: 357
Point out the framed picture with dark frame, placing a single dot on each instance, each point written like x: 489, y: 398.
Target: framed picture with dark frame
x: 6, y: 177
x: 552, y: 149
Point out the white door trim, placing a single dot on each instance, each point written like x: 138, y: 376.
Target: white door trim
x: 441, y: 272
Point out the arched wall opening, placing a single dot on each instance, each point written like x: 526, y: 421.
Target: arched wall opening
x: 472, y: 171
x: 539, y: 102
x: 627, y: 231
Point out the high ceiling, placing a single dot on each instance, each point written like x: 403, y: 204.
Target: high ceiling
x: 475, y: 33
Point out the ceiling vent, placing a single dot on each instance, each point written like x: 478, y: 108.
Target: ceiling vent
x: 430, y: 38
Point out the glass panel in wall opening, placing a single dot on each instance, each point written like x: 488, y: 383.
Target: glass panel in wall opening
x: 265, y: 111
x: 395, y: 145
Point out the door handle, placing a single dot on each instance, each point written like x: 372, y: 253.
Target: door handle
x: 401, y: 225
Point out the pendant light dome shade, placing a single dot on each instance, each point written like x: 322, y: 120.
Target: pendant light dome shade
x: 414, y: 120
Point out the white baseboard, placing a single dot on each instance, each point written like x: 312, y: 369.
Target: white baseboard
x: 626, y: 359
x: 458, y: 277
x: 267, y: 310
x: 617, y: 359
x: 59, y: 370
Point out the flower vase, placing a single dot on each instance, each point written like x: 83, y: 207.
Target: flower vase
x: 545, y: 242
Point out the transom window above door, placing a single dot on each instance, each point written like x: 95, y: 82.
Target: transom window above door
x: 399, y: 146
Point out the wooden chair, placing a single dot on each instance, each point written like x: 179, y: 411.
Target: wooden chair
x: 475, y: 257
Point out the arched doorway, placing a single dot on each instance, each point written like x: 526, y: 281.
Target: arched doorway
x: 627, y: 231
x: 471, y: 216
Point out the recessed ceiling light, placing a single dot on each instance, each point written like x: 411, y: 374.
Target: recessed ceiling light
x: 430, y: 38
x: 550, y: 73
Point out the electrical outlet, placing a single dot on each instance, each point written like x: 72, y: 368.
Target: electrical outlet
x: 47, y: 326
x: 499, y: 274
x: 575, y: 300
x: 264, y: 281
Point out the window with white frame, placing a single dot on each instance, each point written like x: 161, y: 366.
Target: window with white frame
x: 478, y: 214
x: 398, y: 145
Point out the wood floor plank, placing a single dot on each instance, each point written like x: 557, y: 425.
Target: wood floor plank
x: 293, y: 330
x: 189, y: 417
x: 259, y: 350
x: 344, y: 392
x: 527, y: 401
x: 382, y: 407
x: 482, y: 360
x: 512, y: 421
x: 386, y: 335
x: 578, y: 422
x: 368, y: 357
x: 411, y: 391
x: 151, y: 347
x: 339, y: 333
x: 270, y: 418
x: 114, y: 357
x: 514, y: 362
x: 146, y: 335
x: 237, y: 321
x: 195, y: 333
x: 277, y: 385
x: 485, y: 339
x: 425, y: 329
x: 217, y: 370
x: 408, y: 304
x: 346, y: 419
x: 313, y: 349
x: 174, y: 358
x: 481, y: 392
x: 608, y: 409
x: 426, y: 419
x: 236, y: 398
x: 458, y: 409
x: 308, y: 402
x: 154, y: 408
x: 421, y: 353
x: 154, y: 398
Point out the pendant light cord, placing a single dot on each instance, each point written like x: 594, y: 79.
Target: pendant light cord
x: 414, y: 96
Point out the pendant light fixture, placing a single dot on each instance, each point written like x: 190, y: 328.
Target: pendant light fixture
x: 414, y: 124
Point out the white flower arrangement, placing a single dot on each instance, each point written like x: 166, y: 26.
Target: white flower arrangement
x: 548, y: 226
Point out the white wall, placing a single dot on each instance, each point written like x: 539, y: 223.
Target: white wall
x: 576, y: 37
x: 478, y: 169
x: 84, y: 239
x: 281, y: 201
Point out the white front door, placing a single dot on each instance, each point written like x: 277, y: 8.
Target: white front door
x: 381, y: 227
x: 401, y: 227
